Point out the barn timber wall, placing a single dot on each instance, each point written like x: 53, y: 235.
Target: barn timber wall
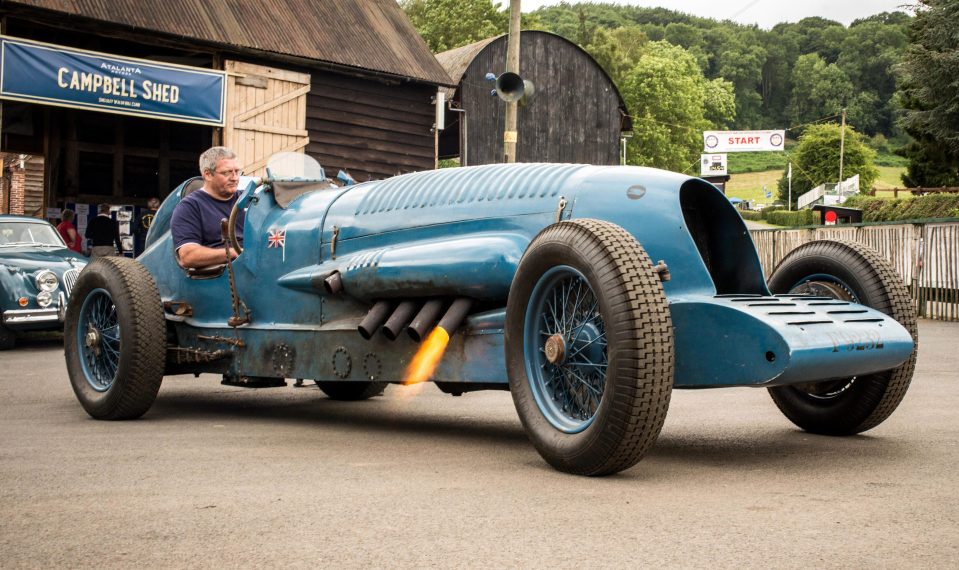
x: 369, y: 128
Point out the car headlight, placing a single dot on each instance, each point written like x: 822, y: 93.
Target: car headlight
x: 47, y: 281
x: 44, y: 298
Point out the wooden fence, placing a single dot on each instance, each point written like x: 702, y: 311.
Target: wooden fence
x: 926, y: 255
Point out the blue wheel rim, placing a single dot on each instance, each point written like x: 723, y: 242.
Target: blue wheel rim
x: 568, y: 390
x: 98, y: 339
x: 844, y: 293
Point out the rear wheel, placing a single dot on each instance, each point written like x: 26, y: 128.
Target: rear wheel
x: 589, y: 347
x: 114, y: 339
x: 352, y: 391
x: 851, y: 272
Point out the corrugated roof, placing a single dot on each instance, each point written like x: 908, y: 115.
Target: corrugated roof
x: 372, y: 35
x: 457, y: 60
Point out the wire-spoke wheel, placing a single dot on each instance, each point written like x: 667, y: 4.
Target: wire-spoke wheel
x: 566, y: 349
x: 589, y: 347
x: 853, y: 272
x: 113, y: 339
x: 99, y: 339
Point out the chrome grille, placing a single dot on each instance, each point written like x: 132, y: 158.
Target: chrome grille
x: 69, y: 280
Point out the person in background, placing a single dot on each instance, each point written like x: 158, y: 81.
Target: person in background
x: 104, y: 234
x: 195, y: 225
x: 68, y: 231
x: 143, y: 223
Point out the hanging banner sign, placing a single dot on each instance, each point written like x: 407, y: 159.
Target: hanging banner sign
x: 743, y: 141
x: 713, y: 165
x: 54, y: 75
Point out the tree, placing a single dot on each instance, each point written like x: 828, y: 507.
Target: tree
x: 820, y: 36
x: 930, y: 98
x: 819, y: 89
x: 743, y: 66
x: 617, y: 50
x: 869, y: 52
x: 816, y: 160
x: 671, y: 104
x: 448, y: 24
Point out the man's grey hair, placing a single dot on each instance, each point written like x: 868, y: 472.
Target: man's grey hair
x: 103, y: 209
x: 211, y: 156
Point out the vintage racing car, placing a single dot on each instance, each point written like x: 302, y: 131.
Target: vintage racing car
x: 587, y: 292
x: 37, y: 272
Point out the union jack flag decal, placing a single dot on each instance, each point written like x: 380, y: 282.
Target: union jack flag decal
x: 277, y: 238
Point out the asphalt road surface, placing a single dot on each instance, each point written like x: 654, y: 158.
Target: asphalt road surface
x: 216, y: 476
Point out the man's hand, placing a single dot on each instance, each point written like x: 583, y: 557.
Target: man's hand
x: 195, y: 255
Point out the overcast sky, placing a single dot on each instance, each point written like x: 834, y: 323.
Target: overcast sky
x: 766, y: 13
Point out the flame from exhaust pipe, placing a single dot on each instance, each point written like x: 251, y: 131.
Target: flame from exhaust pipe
x: 424, y: 362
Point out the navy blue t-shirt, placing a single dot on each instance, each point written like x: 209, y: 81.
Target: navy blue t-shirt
x: 196, y: 219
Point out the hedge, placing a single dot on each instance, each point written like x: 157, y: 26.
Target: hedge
x: 793, y: 219
x: 751, y: 215
x: 914, y: 208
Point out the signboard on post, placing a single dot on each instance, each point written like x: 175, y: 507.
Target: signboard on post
x: 743, y: 141
x: 48, y: 74
x: 713, y: 165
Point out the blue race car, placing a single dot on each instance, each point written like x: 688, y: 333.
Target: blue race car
x: 587, y: 292
x: 37, y: 272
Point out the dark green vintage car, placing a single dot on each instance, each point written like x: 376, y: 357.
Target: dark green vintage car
x: 37, y: 272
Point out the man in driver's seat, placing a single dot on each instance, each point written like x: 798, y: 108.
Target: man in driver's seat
x: 195, y: 226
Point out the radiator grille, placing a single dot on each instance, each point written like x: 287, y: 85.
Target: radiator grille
x: 69, y: 280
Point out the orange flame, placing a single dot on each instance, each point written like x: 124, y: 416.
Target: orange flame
x: 426, y: 359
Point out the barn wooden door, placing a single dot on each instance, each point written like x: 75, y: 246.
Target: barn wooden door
x: 266, y: 113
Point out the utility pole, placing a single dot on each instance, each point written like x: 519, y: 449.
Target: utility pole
x: 789, y: 179
x: 512, y: 65
x: 842, y: 143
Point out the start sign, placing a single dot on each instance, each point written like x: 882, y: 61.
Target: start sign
x: 743, y: 141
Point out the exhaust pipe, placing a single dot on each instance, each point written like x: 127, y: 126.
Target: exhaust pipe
x: 425, y: 320
x: 374, y: 319
x: 455, y: 314
x: 334, y: 283
x: 399, y: 319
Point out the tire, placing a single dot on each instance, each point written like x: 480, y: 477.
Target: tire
x: 352, y: 391
x: 114, y: 339
x: 589, y: 347
x: 857, y: 273
x: 7, y: 338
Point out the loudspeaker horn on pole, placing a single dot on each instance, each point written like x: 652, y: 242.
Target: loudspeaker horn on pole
x: 528, y: 91
x: 511, y: 87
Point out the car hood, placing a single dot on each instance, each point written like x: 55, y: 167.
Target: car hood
x: 29, y: 258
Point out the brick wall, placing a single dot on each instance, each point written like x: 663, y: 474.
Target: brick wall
x: 21, y: 191
x: 18, y: 179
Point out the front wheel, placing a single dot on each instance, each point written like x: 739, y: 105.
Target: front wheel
x: 589, y: 347
x: 114, y: 339
x: 852, y: 272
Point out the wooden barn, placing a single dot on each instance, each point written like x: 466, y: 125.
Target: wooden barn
x: 117, y: 99
x: 576, y: 115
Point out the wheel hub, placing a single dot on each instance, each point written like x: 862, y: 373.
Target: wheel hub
x: 92, y: 339
x: 824, y: 289
x: 555, y: 349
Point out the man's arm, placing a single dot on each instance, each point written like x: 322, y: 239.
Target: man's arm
x: 196, y: 255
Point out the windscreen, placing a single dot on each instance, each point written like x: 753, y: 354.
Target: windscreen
x: 27, y: 233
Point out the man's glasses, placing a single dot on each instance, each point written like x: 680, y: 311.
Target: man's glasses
x: 229, y: 173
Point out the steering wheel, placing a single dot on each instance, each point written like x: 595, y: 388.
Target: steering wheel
x: 231, y: 228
